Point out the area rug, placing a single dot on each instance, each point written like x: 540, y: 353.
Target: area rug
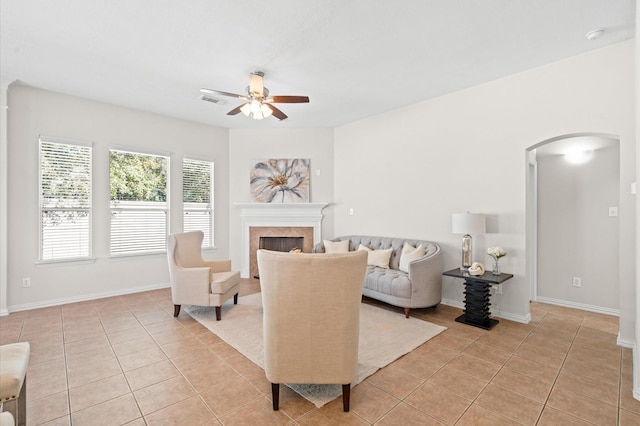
x: 384, y: 337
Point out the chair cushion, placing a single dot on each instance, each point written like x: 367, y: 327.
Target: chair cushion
x: 14, y: 360
x: 223, y: 281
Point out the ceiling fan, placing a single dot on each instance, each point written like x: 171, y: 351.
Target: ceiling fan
x: 258, y: 103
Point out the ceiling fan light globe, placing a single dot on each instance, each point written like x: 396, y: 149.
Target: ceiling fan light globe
x: 246, y: 110
x: 255, y: 106
x: 266, y: 111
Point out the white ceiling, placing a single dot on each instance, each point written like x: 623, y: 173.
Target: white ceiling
x: 353, y: 58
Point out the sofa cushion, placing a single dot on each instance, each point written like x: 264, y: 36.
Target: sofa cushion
x: 336, y: 246
x: 409, y: 254
x: 388, y: 281
x: 378, y: 258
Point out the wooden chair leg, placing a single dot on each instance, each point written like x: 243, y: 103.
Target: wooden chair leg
x: 275, y: 395
x: 176, y: 310
x: 218, y: 313
x: 406, y: 312
x: 235, y: 299
x: 346, y: 397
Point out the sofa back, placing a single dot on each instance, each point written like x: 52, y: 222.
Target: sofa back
x: 377, y: 243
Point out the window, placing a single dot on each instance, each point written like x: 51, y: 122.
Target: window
x: 138, y: 202
x: 65, y: 200
x: 197, y: 196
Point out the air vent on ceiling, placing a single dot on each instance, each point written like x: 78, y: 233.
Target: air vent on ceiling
x: 212, y: 99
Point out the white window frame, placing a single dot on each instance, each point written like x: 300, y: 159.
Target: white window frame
x: 142, y: 213
x: 78, y: 244
x: 200, y: 209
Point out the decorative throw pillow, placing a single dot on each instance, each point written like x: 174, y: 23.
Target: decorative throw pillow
x: 377, y: 257
x: 409, y: 254
x: 336, y: 246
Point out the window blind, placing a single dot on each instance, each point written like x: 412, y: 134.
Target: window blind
x: 197, y: 196
x: 65, y: 200
x: 139, y: 209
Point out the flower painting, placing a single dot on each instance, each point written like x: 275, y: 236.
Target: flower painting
x: 280, y: 181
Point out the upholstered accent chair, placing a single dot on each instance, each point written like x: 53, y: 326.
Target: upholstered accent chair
x: 14, y: 360
x: 195, y: 281
x: 311, y: 318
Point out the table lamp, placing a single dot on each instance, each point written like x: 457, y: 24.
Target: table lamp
x: 467, y: 224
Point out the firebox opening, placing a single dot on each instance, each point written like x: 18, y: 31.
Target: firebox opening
x: 280, y: 244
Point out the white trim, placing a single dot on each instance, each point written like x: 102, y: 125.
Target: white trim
x: 576, y: 305
x: 277, y: 214
x: 4, y: 196
x: 88, y: 297
x: 625, y: 343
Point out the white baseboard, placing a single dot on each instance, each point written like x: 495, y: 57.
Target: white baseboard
x: 583, y: 306
x: 83, y: 298
x: 499, y: 314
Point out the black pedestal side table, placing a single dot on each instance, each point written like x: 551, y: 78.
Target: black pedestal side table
x: 477, y: 296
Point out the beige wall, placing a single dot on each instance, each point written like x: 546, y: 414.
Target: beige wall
x: 246, y: 145
x: 405, y: 172
x: 35, y: 112
x: 576, y: 235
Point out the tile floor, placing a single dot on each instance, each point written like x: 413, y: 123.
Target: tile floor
x: 126, y: 360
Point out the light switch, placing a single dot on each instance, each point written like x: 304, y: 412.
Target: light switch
x: 613, y: 212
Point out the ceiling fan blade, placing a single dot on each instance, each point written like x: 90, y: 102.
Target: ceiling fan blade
x: 235, y: 110
x: 220, y: 92
x: 256, y: 84
x: 276, y: 112
x: 289, y: 99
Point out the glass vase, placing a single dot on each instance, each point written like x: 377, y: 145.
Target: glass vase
x: 496, y: 267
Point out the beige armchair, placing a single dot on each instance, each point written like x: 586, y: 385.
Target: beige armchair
x: 311, y: 318
x: 195, y: 281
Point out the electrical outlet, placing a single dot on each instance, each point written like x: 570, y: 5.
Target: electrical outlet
x: 497, y: 288
x: 351, y: 211
x: 613, y: 212
x: 26, y: 282
x: 577, y: 282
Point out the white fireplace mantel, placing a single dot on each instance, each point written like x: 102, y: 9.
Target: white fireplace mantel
x: 274, y: 215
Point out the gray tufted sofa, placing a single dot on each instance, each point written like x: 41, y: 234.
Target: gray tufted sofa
x: 420, y: 288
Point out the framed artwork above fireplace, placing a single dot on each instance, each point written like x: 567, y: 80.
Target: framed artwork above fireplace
x: 280, y: 180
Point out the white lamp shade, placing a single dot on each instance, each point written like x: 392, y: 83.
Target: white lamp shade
x: 468, y: 223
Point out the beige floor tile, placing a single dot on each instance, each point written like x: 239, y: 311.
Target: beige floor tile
x: 370, y: 402
x: 161, y: 395
x: 595, y: 389
x: 458, y: 382
x: 191, y: 411
x: 97, y: 392
x: 475, y: 367
x: 259, y: 412
x: 583, y: 407
x: 117, y: 411
x: 522, y: 385
x: 49, y: 408
x: 628, y: 418
x: 235, y: 393
x: 479, y: 416
x: 597, y: 372
x: 533, y: 369
x: 135, y: 333
x: 438, y: 403
x: 82, y: 374
x: 553, y: 417
x: 85, y: 345
x: 134, y: 360
x: 209, y: 374
x: 131, y: 346
x: 511, y: 405
x: 395, y: 381
x: 419, y: 365
x: 151, y: 374
x: 406, y: 415
x: 492, y: 354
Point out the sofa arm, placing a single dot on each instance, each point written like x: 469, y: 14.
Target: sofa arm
x: 192, y: 286
x: 425, y: 275
x: 218, y: 265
